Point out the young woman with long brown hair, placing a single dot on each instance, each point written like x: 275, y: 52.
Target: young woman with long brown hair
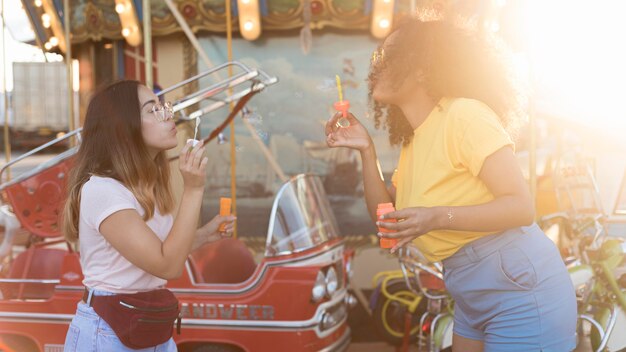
x: 120, y: 206
x: 446, y: 99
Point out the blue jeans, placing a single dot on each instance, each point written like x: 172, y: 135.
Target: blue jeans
x: 90, y: 333
x: 513, y: 292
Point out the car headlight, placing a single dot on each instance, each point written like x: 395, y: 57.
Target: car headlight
x: 333, y: 316
x: 349, y: 271
x: 328, y: 321
x: 331, y: 281
x: 319, y: 288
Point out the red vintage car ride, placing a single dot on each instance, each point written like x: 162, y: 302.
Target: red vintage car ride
x: 294, y: 299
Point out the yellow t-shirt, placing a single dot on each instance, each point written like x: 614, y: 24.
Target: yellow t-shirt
x: 440, y: 167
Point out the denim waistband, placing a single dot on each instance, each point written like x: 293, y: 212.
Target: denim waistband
x: 484, y: 246
x: 89, y: 293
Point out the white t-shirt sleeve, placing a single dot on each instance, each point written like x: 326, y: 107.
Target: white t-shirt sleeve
x: 102, y: 197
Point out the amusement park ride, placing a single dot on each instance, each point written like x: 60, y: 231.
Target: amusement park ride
x: 296, y: 296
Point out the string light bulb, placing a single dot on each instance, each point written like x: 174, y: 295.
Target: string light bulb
x: 382, y: 17
x: 249, y: 19
x: 129, y: 20
x: 120, y: 7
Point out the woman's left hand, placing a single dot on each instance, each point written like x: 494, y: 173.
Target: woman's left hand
x: 411, y: 223
x: 211, y: 231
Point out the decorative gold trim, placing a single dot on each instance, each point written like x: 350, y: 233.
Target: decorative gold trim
x: 96, y: 19
x: 89, y: 22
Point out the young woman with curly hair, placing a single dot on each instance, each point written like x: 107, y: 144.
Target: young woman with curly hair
x: 445, y: 95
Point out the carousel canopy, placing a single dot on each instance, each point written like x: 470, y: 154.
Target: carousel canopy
x: 103, y: 19
x: 97, y: 19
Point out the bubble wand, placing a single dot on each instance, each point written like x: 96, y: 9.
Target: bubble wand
x: 342, y: 105
x: 195, y: 140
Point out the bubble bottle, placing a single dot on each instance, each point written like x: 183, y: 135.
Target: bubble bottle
x: 342, y: 106
x: 384, y: 208
x: 225, y: 204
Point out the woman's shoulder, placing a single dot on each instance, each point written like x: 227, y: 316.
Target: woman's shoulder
x: 107, y: 185
x: 462, y: 106
x: 467, y: 110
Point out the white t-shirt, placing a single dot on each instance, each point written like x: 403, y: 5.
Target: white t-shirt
x: 103, y: 266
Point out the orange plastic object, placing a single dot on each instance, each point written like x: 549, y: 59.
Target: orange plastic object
x: 343, y: 106
x: 38, y: 199
x: 224, y: 210
x: 384, y: 208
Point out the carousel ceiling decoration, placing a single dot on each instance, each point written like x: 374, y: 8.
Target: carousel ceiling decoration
x: 120, y: 19
x: 117, y: 19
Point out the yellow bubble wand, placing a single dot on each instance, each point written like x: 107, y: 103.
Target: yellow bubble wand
x: 339, y: 88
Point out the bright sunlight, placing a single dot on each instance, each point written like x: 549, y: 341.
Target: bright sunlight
x: 578, y: 57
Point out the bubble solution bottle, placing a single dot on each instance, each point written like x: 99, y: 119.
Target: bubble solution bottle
x: 342, y: 106
x: 384, y: 208
x: 225, y: 204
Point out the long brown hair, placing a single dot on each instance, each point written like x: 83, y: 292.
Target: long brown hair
x: 457, y: 62
x: 112, y: 146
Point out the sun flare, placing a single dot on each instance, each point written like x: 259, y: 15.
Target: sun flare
x: 577, y: 52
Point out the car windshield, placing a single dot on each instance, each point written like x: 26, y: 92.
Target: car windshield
x: 301, y: 217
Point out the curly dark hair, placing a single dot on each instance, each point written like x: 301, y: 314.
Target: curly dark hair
x: 456, y: 62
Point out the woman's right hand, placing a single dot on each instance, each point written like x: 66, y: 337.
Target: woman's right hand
x: 354, y: 136
x: 192, y: 165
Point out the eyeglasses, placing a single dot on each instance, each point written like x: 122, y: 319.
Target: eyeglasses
x: 378, y: 56
x: 163, y: 112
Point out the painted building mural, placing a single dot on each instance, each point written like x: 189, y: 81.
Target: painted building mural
x: 289, y: 117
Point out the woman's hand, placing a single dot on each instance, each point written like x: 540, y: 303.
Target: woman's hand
x: 211, y: 232
x: 192, y: 165
x: 354, y: 136
x: 411, y: 223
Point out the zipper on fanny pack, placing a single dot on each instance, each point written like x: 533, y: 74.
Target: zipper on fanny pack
x: 146, y: 320
x: 172, y: 307
x: 169, y: 321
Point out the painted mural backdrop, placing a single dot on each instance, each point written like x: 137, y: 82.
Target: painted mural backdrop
x: 289, y: 117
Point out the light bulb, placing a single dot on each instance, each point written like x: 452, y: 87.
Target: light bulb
x: 384, y: 23
x: 248, y: 25
x: 120, y: 7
